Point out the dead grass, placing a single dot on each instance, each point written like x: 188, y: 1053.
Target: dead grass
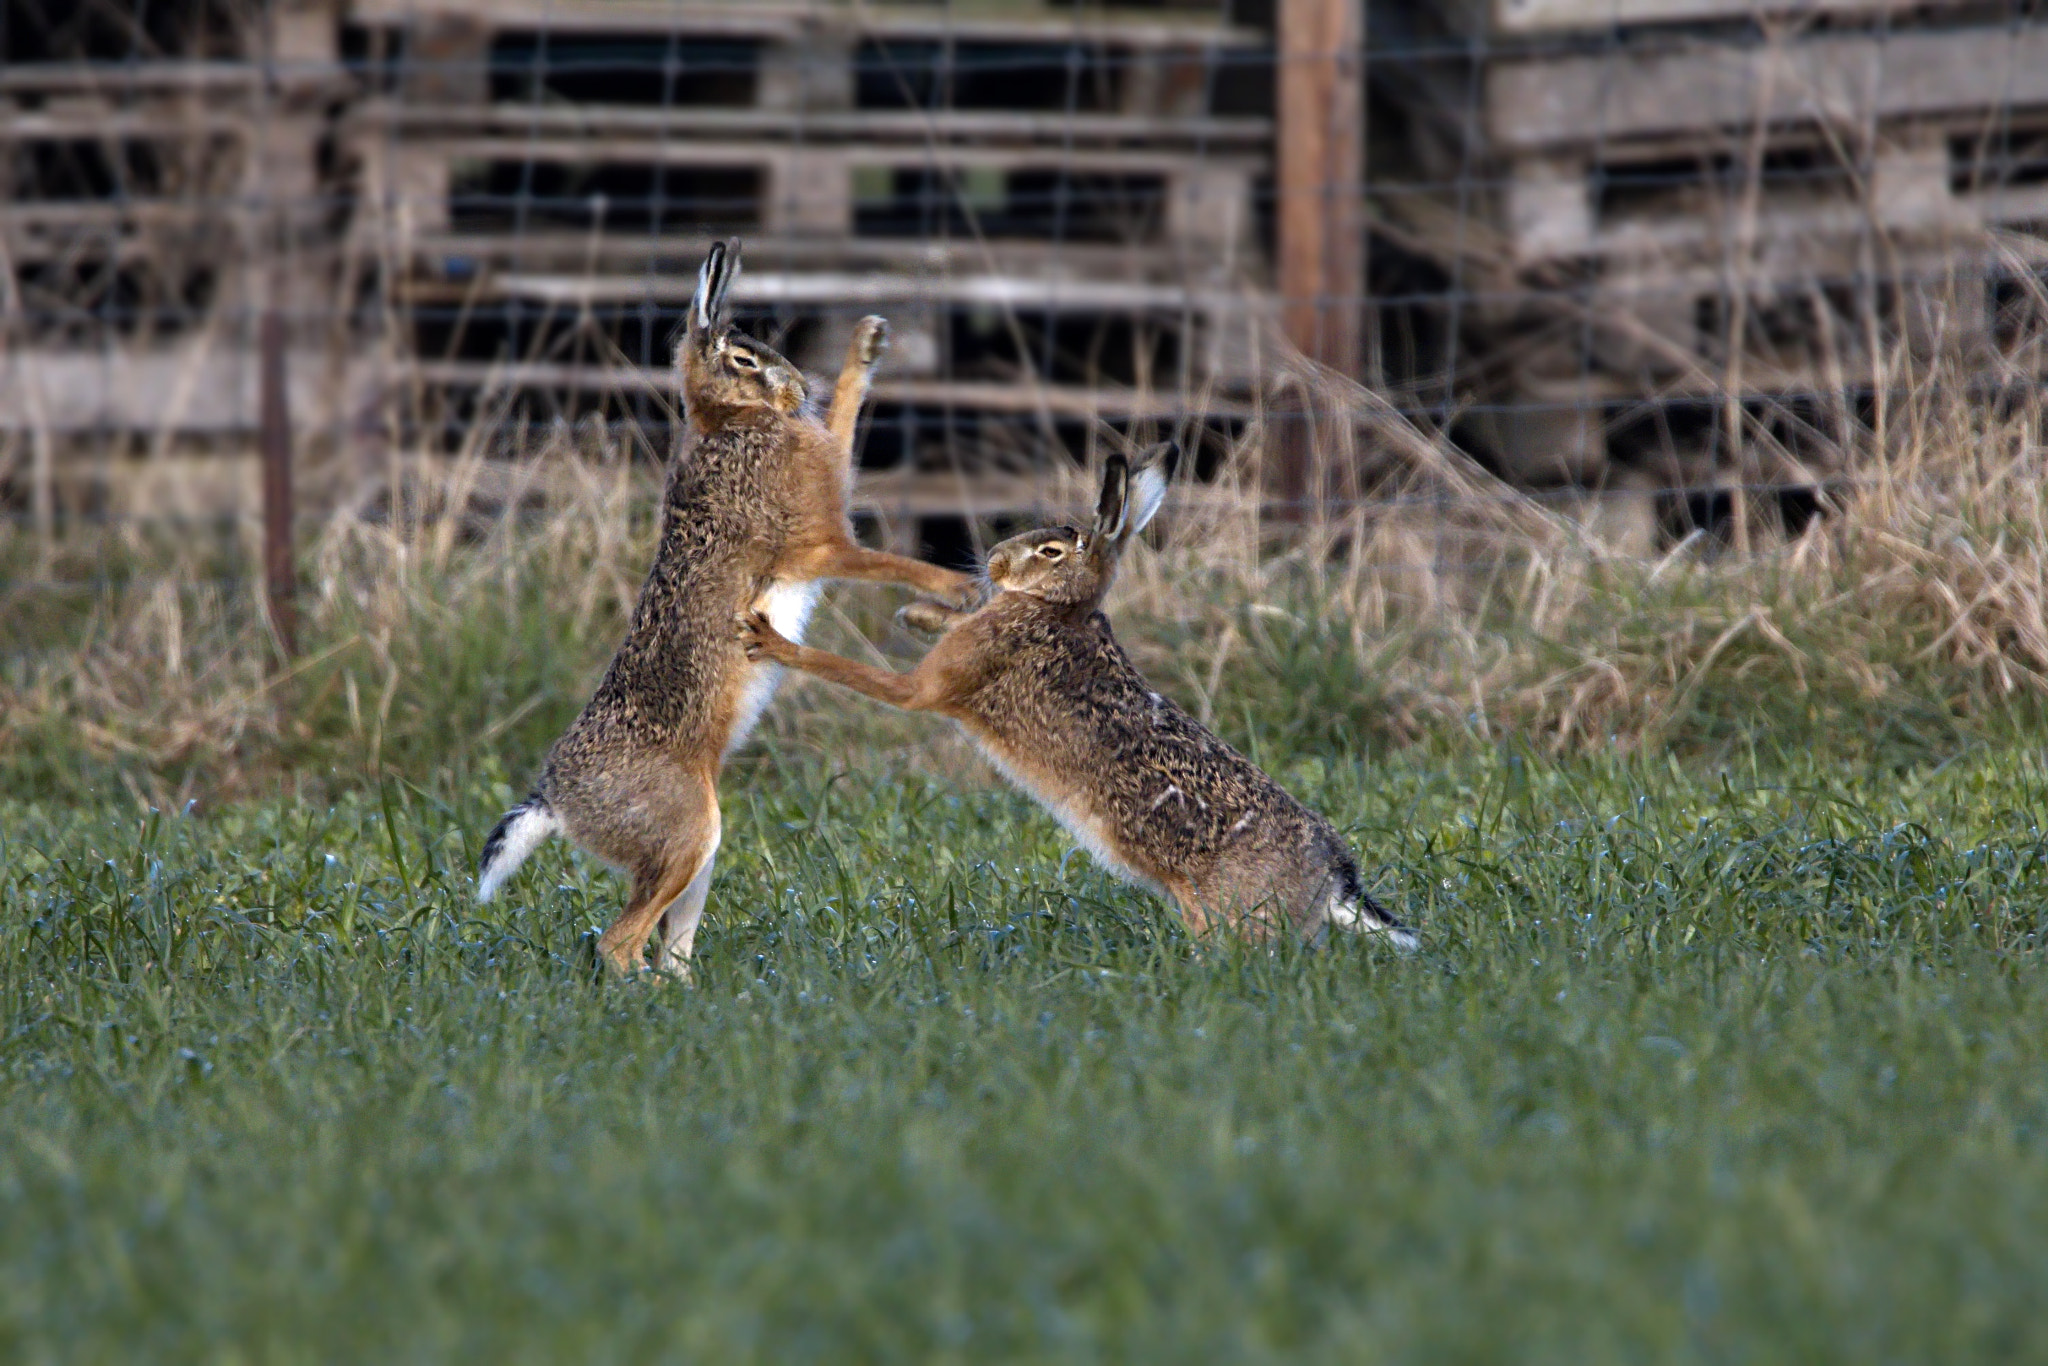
x: 1438, y: 603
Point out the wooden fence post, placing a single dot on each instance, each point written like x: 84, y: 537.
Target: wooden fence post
x: 1320, y: 134
x: 1319, y: 100
x: 280, y: 570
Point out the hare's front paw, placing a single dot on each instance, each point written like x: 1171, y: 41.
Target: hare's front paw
x: 926, y: 615
x: 758, y: 636
x: 870, y: 339
x: 967, y: 594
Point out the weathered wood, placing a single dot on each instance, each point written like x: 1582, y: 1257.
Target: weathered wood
x: 447, y: 59
x: 809, y: 192
x: 302, y: 38
x: 677, y: 254
x: 1839, y: 80
x: 1065, y: 401
x: 1555, y: 16
x: 962, y: 20
x: 163, y: 77
x: 1200, y: 132
x: 810, y: 75
x: 196, y: 387
x: 280, y: 560
x: 1551, y: 212
x: 662, y: 152
x: 1321, y: 162
x: 768, y: 286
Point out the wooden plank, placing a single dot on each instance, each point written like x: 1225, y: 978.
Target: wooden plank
x: 130, y: 79
x: 641, y: 256
x: 198, y: 387
x: 1557, y: 16
x: 1321, y: 163
x: 1201, y: 133
x: 187, y: 77
x: 655, y: 151
x: 1550, y: 207
x: 964, y: 20
x: 847, y: 290
x: 1841, y: 80
x: 132, y: 125
x: 983, y: 396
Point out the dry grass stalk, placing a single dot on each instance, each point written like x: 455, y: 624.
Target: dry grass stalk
x: 1441, y: 600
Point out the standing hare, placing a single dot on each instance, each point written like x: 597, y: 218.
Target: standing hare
x: 754, y: 515
x: 1035, y: 677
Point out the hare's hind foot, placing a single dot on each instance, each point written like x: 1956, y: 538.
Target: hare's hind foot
x: 1373, y: 921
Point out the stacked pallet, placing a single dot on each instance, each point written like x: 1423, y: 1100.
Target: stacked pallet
x: 1720, y: 205
x: 1042, y: 198
x: 151, y: 193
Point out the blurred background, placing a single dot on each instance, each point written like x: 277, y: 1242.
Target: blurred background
x: 1432, y: 292
x: 1673, y: 250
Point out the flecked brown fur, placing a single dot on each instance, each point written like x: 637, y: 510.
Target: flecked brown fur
x: 755, y: 508
x: 1037, y: 678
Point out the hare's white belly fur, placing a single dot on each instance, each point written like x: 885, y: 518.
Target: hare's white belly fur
x: 788, y: 606
x: 1084, y: 825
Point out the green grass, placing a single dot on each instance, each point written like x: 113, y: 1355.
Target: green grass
x: 1699, y: 1063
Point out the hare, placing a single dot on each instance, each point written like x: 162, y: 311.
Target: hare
x: 754, y: 514
x: 1037, y: 680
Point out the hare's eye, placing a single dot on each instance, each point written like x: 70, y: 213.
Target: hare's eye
x: 745, y: 361
x: 1051, y: 552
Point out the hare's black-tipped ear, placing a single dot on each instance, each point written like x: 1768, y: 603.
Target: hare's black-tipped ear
x: 1111, y: 508
x: 714, y: 281
x: 1147, y: 487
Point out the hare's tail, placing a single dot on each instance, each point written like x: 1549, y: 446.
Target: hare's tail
x: 511, y: 840
x: 1353, y: 908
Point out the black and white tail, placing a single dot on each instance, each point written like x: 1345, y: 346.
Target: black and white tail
x: 511, y: 840
x: 1353, y: 909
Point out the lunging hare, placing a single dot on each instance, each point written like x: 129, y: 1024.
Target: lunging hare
x: 1036, y: 678
x: 754, y: 514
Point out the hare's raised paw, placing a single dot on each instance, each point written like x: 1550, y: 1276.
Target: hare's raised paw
x: 870, y: 339
x: 926, y: 615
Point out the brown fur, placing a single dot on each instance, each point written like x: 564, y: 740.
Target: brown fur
x: 1036, y: 677
x: 755, y: 506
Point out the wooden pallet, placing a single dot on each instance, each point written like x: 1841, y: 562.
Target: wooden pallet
x: 1021, y: 21
x: 1847, y: 82
x: 845, y: 209
x: 1526, y: 18
x: 168, y: 183
x: 1673, y: 202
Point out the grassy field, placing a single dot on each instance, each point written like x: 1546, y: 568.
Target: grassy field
x: 1701, y: 1061
x: 1724, y: 1044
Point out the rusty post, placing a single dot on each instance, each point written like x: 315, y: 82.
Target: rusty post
x: 280, y: 570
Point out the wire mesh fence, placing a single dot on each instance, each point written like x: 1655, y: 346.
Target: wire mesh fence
x: 1698, y: 260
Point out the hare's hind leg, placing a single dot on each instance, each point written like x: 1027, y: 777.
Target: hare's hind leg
x: 679, y: 921
x: 668, y: 877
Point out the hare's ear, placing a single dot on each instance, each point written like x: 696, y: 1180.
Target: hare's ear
x: 1113, y: 507
x: 1147, y: 487
x: 714, y: 280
